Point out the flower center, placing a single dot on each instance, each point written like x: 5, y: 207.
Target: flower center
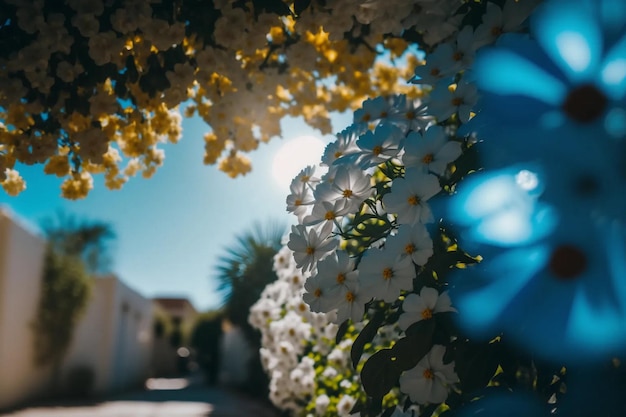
x: 338, y: 154
x: 377, y: 150
x: 298, y: 202
x: 496, y: 31
x: 458, y: 55
x: 435, y: 72
x: 410, y: 115
x: 457, y: 101
x: 387, y: 273
x: 305, y: 178
x: 341, y: 278
x: 428, y: 374
x: 366, y: 117
x: 409, y: 248
x: 413, y: 200
x: 318, y: 293
x: 310, y: 250
x: 427, y: 314
x: 349, y: 296
x: 567, y: 262
x: 585, y: 103
x: 428, y: 158
x: 347, y: 193
x: 329, y: 215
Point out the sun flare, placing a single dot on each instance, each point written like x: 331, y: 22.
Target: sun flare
x: 294, y: 155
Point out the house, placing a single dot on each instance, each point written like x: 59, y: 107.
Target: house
x: 112, y: 341
x: 178, y: 315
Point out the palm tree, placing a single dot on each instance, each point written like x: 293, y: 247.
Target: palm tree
x: 243, y: 272
x: 85, y: 239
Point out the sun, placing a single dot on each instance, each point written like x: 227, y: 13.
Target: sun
x: 294, y: 155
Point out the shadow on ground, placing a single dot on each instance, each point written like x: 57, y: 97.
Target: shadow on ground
x: 167, y: 398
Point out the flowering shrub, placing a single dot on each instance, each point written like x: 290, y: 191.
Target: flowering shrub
x: 94, y: 86
x: 512, y: 160
x: 311, y: 373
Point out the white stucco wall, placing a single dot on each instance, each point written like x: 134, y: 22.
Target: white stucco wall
x: 114, y: 337
x: 21, y: 266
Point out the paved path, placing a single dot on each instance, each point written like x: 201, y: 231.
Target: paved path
x: 195, y: 400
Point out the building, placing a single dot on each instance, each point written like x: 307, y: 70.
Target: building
x: 113, y: 340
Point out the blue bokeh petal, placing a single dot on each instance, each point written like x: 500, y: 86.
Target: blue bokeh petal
x: 503, y: 72
x: 613, y: 71
x: 571, y: 36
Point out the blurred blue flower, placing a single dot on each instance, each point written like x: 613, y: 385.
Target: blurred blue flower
x: 551, y: 281
x: 570, y: 74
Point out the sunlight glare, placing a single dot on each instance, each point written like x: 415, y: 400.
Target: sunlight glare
x: 293, y: 156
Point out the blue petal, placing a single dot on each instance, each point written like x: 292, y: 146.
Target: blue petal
x: 481, y: 304
x: 613, y: 71
x: 571, y: 36
x: 503, y: 72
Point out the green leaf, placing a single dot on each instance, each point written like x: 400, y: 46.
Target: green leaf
x: 476, y: 364
x: 341, y: 331
x: 366, y: 336
x: 300, y: 6
x: 409, y: 350
x: 379, y: 374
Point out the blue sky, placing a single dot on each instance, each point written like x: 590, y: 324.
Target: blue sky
x: 172, y: 228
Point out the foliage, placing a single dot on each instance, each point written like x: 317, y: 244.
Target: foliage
x: 65, y: 291
x: 85, y: 239
x: 311, y: 373
x: 246, y: 268
x: 95, y: 87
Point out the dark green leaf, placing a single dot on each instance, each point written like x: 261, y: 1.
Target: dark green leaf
x: 476, y: 364
x: 379, y: 374
x: 366, y: 336
x: 341, y: 331
x: 410, y: 350
x: 300, y: 6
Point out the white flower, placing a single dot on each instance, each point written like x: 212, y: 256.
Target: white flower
x: 428, y: 382
x: 298, y: 201
x: 423, y: 306
x: 412, y: 240
x: 325, y: 211
x: 431, y: 151
x: 409, y: 195
x: 440, y: 64
x: 321, y: 404
x: 444, y: 103
x: 345, y: 404
x: 309, y: 247
x: 352, y: 305
x: 344, y: 145
x: 349, y: 183
x: 379, y: 146
x: 383, y: 274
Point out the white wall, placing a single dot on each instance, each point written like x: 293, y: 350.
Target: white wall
x: 114, y: 337
x: 21, y: 267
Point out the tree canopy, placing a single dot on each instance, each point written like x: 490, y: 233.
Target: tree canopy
x: 95, y: 87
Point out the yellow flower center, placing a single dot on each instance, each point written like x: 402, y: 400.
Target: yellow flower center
x: 458, y: 55
x: 349, y: 296
x: 496, y: 31
x: 387, y: 273
x: 428, y: 158
x: 413, y: 200
x: 338, y: 154
x: 409, y: 248
x: 434, y: 72
x: 298, y: 202
x: 310, y: 250
x: 347, y: 193
x: 305, y: 178
x: 329, y: 215
x: 318, y: 293
x: 427, y: 314
x: 341, y: 278
x: 377, y: 150
x: 428, y: 374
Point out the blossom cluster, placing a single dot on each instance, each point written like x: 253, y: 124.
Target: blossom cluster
x: 94, y: 87
x: 414, y: 186
x: 310, y: 372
